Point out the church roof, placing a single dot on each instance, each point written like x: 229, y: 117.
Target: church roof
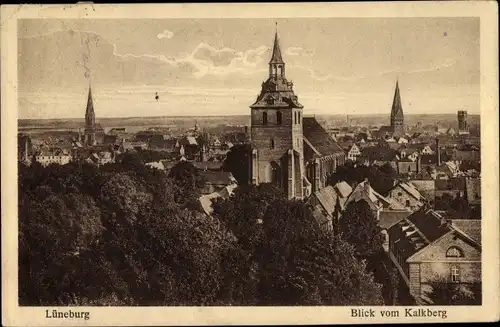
x: 397, y: 108
x: 276, y: 57
x: 319, y: 138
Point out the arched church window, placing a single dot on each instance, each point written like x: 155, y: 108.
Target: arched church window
x: 295, y: 117
x: 454, y: 252
x: 279, y: 118
x: 299, y: 117
x: 264, y: 118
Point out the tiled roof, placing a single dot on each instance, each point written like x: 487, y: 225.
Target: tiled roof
x: 343, y: 188
x: 327, y: 197
x: 416, y: 231
x: 411, y: 190
x: 387, y: 218
x: 319, y: 138
x: 470, y: 227
x: 429, y: 223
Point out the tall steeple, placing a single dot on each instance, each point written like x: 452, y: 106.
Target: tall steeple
x: 397, y: 116
x: 276, y: 64
x: 90, y: 120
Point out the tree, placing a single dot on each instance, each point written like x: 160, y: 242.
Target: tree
x: 445, y: 293
x: 238, y: 162
x: 299, y: 265
x: 359, y: 227
x: 188, y: 181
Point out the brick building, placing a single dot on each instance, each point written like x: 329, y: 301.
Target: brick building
x: 425, y: 246
x: 278, y: 137
x: 407, y: 195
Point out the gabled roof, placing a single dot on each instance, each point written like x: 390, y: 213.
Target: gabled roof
x: 318, y: 138
x: 388, y: 218
x: 410, y: 189
x: 471, y: 227
x: 327, y: 197
x: 343, y: 189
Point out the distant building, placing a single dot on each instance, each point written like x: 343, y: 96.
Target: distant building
x: 354, y: 153
x: 463, y: 127
x: 216, y: 180
x: 397, y: 127
x: 90, y: 126
x: 53, y: 156
x: 406, y: 194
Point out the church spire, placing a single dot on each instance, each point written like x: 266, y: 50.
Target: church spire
x: 90, y: 127
x: 276, y: 57
x: 397, y: 108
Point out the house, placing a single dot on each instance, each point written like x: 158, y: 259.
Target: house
x: 388, y: 218
x: 157, y: 165
x: 453, y: 187
x: 377, y: 202
x: 206, y: 200
x: 53, y: 156
x: 467, y: 153
x: 408, y: 195
x: 323, y: 204
x: 353, y: 153
x: 407, y: 166
x: 425, y: 246
x: 216, y: 180
x: 426, y: 187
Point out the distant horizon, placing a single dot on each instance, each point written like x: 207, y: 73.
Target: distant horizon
x: 243, y: 115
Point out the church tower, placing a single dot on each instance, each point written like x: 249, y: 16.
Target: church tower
x: 90, y: 128
x: 397, y: 117
x: 276, y: 131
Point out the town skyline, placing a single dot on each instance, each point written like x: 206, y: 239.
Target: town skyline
x: 222, y: 75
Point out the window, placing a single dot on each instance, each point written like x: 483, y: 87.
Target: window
x: 278, y: 118
x: 264, y: 118
x: 454, y: 252
x: 299, y: 117
x: 400, y: 194
x: 295, y: 117
x: 407, y: 203
x: 455, y: 274
x: 272, y: 143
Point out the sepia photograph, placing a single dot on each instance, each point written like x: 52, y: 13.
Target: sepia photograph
x: 250, y: 162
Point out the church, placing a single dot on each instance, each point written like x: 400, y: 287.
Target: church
x: 291, y: 151
x: 397, y: 127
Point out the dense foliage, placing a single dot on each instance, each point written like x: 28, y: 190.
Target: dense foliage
x: 446, y: 293
x: 381, y: 178
x: 121, y: 234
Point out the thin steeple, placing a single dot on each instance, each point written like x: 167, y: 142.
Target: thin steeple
x: 276, y: 57
x: 397, y: 108
x: 89, y: 113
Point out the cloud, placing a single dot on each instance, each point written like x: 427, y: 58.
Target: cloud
x: 165, y: 34
x: 298, y: 51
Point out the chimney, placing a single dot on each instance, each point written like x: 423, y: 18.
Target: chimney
x: 418, y: 164
x: 438, y: 151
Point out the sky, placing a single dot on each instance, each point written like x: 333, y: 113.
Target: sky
x: 204, y: 67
